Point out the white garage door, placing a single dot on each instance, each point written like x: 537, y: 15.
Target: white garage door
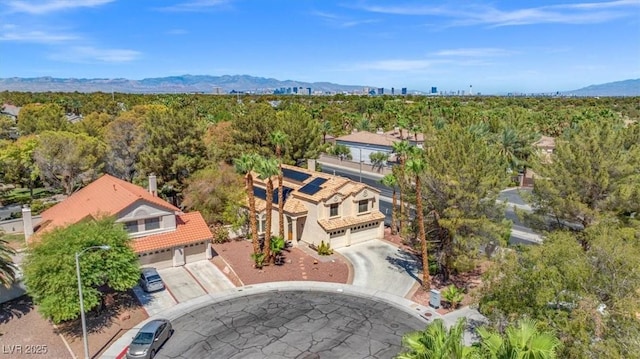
x: 195, y: 252
x: 364, y: 232
x: 162, y: 258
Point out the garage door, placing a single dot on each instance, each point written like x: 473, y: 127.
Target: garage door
x: 195, y: 252
x: 160, y: 259
x: 364, y: 232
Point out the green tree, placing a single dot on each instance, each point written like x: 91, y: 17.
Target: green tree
x: 437, y: 342
x: 402, y: 150
x: 7, y: 266
x: 94, y: 124
x: 252, y: 126
x: 245, y: 165
x: 590, y: 298
x: 18, y: 162
x: 390, y: 181
x: 125, y: 138
x: 64, y: 159
x: 462, y: 183
x: 266, y: 169
x: 303, y: 133
x: 174, y: 148
x: 50, y: 271
x: 37, y: 118
x: 216, y: 192
x: 417, y: 167
x: 279, y: 139
x: 590, y: 174
x: 379, y: 159
x: 325, y: 128
x: 340, y: 150
x: 525, y: 340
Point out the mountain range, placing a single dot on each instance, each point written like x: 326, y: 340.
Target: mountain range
x: 240, y: 83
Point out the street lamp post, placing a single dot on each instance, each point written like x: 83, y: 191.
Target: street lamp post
x: 82, y: 319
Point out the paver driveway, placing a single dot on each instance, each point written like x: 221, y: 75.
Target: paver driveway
x: 379, y: 265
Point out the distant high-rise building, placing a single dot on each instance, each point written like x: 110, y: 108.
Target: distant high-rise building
x: 404, y: 91
x: 295, y: 90
x: 434, y: 90
x: 393, y: 91
x: 309, y: 91
x: 381, y: 91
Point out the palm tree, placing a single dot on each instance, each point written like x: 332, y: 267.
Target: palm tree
x: 325, y: 128
x: 417, y: 166
x: 267, y: 168
x: 436, y: 342
x: 245, y: 165
x: 7, y: 267
x: 279, y: 138
x: 401, y: 150
x: 390, y: 180
x: 522, y: 341
x: 378, y: 159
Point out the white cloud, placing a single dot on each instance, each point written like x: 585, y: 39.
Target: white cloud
x: 475, y: 52
x: 10, y: 32
x: 89, y: 54
x: 195, y: 5
x: 48, y: 6
x: 466, y: 15
x: 341, y: 21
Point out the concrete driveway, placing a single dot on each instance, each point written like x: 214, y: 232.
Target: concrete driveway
x: 381, y: 266
x: 182, y: 284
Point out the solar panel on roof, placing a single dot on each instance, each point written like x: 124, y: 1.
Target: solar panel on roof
x: 262, y: 193
x: 318, y: 181
x: 295, y: 175
x: 310, y: 189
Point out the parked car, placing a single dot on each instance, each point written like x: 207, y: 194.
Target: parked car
x: 150, y: 339
x: 150, y: 280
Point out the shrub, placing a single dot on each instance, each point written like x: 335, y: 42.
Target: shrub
x: 220, y: 234
x: 259, y: 259
x: 324, y: 249
x: 277, y: 245
x: 453, y: 295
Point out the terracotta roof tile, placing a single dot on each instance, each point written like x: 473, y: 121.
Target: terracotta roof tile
x: 294, y: 206
x: 336, y: 223
x: 107, y: 195
x: 190, y: 228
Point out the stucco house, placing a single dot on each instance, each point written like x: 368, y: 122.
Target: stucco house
x: 321, y: 207
x: 363, y: 143
x: 163, y: 235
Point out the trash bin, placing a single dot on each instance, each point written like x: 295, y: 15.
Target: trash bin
x: 434, y: 298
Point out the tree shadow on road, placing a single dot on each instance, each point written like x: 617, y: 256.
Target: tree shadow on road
x: 407, y: 262
x: 15, y: 308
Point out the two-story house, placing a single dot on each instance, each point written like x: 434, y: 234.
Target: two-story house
x: 362, y: 144
x: 321, y: 207
x: 162, y: 235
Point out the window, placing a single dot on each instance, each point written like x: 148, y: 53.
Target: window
x: 261, y: 225
x: 363, y: 206
x: 131, y: 227
x: 333, y: 210
x: 151, y: 223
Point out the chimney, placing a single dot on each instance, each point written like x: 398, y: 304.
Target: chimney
x: 27, y: 221
x: 153, y: 185
x: 311, y: 164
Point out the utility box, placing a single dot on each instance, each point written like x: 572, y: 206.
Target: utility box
x: 434, y: 298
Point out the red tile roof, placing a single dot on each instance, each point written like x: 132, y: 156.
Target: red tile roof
x: 107, y: 195
x: 190, y: 228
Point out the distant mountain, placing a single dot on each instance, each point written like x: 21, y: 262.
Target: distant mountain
x: 172, y: 84
x: 619, y: 88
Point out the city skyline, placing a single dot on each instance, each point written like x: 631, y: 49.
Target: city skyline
x: 495, y: 47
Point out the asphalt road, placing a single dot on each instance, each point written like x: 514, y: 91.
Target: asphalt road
x: 291, y: 324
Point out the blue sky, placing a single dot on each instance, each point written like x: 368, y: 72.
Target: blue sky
x: 495, y: 46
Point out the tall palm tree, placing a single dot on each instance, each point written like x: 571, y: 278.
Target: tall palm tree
x: 325, y: 128
x: 245, y: 164
x: 436, y: 342
x: 279, y: 139
x: 267, y: 168
x: 390, y: 180
x: 401, y: 150
x: 7, y: 267
x: 417, y: 166
x: 524, y: 340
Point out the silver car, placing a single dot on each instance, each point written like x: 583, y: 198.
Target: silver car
x: 149, y: 339
x: 150, y: 280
